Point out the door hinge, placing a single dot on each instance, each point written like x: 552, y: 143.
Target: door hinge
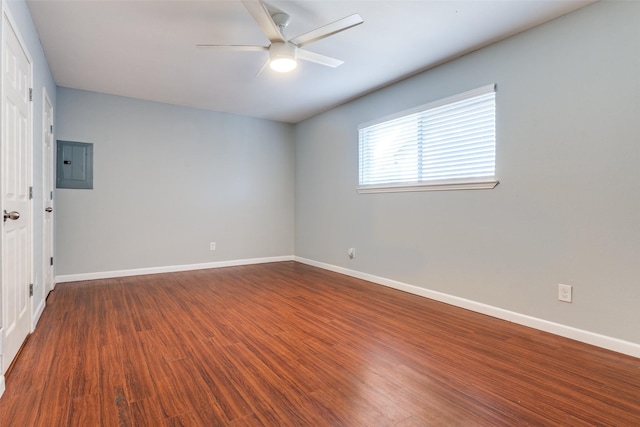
x: 30, y: 193
x: 51, y: 261
x: 31, y: 289
x: 51, y: 196
x: 30, y: 94
x: 51, y: 128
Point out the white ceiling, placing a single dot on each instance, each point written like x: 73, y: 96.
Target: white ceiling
x: 146, y: 49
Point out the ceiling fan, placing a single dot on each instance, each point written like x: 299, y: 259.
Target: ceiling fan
x: 283, y: 53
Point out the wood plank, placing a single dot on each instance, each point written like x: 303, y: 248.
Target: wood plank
x: 289, y: 344
x: 85, y: 411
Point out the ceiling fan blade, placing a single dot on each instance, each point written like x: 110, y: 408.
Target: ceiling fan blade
x: 327, y: 30
x: 263, y: 67
x: 318, y: 59
x: 233, y: 47
x: 259, y: 11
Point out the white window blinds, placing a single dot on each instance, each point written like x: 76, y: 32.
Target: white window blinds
x: 448, y: 141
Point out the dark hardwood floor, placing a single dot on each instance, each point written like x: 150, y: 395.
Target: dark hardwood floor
x: 287, y: 344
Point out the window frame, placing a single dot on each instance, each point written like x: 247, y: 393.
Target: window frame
x: 468, y: 183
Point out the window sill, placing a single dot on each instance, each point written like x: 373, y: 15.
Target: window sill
x: 440, y: 186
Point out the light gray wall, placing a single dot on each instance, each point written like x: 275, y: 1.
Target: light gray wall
x: 167, y: 181
x: 567, y: 209
x: 42, y: 79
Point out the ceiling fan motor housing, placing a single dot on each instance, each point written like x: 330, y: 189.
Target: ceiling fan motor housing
x: 279, y: 50
x: 282, y: 56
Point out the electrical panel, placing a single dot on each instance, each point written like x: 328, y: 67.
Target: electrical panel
x: 74, y: 165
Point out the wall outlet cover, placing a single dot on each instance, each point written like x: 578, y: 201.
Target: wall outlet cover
x: 565, y: 292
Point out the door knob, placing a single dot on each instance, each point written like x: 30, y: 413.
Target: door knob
x: 11, y: 215
x: 49, y: 209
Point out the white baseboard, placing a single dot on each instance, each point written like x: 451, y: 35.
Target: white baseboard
x: 169, y: 269
x: 614, y: 344
x: 1, y: 385
x: 37, y: 314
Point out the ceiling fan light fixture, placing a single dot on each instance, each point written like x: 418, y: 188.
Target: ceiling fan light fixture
x: 282, y: 57
x: 283, y: 65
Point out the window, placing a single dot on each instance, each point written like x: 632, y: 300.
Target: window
x: 447, y: 144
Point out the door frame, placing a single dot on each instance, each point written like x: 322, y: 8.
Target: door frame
x: 7, y: 18
x: 48, y: 199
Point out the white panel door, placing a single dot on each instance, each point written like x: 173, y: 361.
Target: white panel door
x: 16, y: 178
x: 47, y: 243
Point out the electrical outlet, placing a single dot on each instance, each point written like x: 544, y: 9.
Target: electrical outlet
x: 565, y: 292
x: 352, y: 253
x: 212, y: 246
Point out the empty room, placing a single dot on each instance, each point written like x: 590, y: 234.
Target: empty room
x: 320, y: 213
